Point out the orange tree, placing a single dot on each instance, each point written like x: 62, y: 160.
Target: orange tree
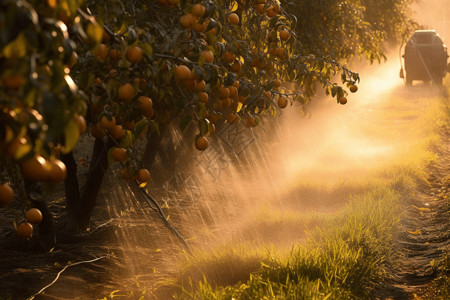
x: 342, y: 29
x: 156, y: 63
x: 41, y: 106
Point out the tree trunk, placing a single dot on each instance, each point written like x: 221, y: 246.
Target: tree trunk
x: 72, y: 190
x: 97, y: 169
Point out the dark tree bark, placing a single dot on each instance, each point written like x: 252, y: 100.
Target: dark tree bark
x: 91, y: 188
x: 72, y: 190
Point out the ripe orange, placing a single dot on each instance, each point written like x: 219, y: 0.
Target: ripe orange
x: 276, y: 83
x: 233, y: 118
x: 25, y: 230
x: 282, y: 102
x: 115, y: 54
x: 236, y: 84
x: 119, y: 154
x: 97, y: 131
x: 134, y: 54
x: 233, y: 19
x: 276, y: 8
x: 250, y: 122
x: 143, y: 175
x: 228, y: 56
x: 107, y: 123
x: 126, y: 92
x: 236, y: 66
x: 34, y: 216
x: 233, y: 91
x: 182, y: 72
x: 213, y: 117
x: 200, y: 86
x: 13, y: 82
x: 259, y: 8
x: 284, y: 35
x: 198, y: 10
x: 35, y: 168
x: 280, y: 52
x: 224, y: 92
x: 201, y: 143
x: 199, y: 27
x: 6, y: 193
x: 342, y: 100
x: 270, y: 12
x: 208, y: 56
x: 117, y: 132
x: 145, y: 103
x: 187, y: 20
x: 101, y: 52
x: 353, y: 88
x: 203, y: 97
x: 130, y: 124
x: 141, y: 83
x: 58, y: 171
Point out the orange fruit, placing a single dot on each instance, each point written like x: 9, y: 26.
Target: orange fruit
x: 6, y: 193
x: 34, y: 216
x: 108, y: 123
x: 130, y: 124
x: 126, y: 92
x: 280, y: 52
x: 58, y: 171
x: 97, y: 131
x: 224, y: 92
x: 343, y: 100
x: 143, y: 175
x: 233, y: 19
x: 140, y: 83
x: 119, y: 154
x: 233, y: 91
x: 200, y: 86
x: 282, y: 102
x: 203, y: 97
x: 145, y: 103
x: 101, y: 52
x: 284, y: 35
x: 115, y: 54
x: 13, y: 82
x: 353, y: 88
x: 81, y: 124
x: 199, y: 27
x: 228, y: 56
x: 213, y: 117
x: 259, y: 8
x: 208, y: 56
x: 270, y: 12
x: 198, y: 10
x: 134, y: 54
x: 276, y: 8
x: 189, y: 84
x: 250, y: 122
x: 187, y: 20
x: 182, y: 72
x: 201, y: 143
x: 35, y: 168
x: 236, y: 66
x: 117, y: 132
x: 276, y: 83
x: 233, y: 118
x: 236, y: 84
x: 25, y: 230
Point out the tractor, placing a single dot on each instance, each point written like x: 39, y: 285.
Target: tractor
x: 425, y: 57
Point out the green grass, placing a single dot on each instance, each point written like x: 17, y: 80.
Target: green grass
x: 351, y: 252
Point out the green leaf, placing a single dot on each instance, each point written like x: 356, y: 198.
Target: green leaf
x: 17, y: 48
x: 94, y: 32
x: 140, y: 127
x: 71, y: 135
